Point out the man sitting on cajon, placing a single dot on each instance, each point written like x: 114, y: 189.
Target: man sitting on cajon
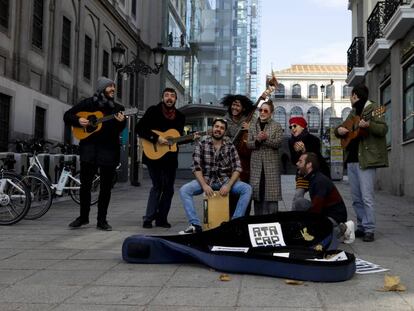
x: 216, y: 166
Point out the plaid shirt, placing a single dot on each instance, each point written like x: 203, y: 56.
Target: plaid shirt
x: 217, y: 167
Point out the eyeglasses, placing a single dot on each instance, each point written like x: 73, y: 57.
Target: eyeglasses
x: 219, y: 119
x: 292, y: 126
x: 263, y: 110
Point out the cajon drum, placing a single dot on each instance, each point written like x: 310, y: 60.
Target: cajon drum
x: 215, y: 210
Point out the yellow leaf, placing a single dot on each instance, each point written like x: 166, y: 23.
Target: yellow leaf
x: 224, y: 277
x: 293, y: 282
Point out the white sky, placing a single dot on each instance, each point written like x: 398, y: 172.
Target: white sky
x: 303, y: 31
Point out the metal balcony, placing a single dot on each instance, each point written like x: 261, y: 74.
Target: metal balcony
x: 377, y: 47
x: 399, y: 18
x: 356, y: 61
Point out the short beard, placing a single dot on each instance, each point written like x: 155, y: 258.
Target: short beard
x: 217, y: 138
x: 167, y: 107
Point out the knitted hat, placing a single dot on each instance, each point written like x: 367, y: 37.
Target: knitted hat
x: 102, y: 84
x: 299, y: 121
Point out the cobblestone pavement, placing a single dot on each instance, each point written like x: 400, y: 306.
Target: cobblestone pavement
x: 46, y: 266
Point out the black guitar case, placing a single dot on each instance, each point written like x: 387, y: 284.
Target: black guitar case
x: 294, y: 245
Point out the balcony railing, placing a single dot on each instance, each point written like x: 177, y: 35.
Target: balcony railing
x: 391, y: 6
x: 356, y: 54
x: 375, y: 24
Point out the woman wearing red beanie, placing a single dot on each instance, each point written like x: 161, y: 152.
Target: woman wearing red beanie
x: 302, y: 141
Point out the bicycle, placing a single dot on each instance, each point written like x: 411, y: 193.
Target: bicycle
x: 42, y: 189
x: 14, y: 198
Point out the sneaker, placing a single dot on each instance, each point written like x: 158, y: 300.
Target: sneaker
x: 359, y: 233
x: 147, y: 224
x: 163, y: 224
x: 349, y: 235
x: 104, y: 226
x: 368, y: 237
x: 78, y: 222
x: 191, y: 229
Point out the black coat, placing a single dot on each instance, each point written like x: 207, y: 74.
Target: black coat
x: 154, y: 119
x: 312, y: 144
x: 103, y: 146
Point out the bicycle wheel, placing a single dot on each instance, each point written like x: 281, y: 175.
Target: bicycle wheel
x: 41, y: 195
x: 74, y: 192
x: 14, y: 199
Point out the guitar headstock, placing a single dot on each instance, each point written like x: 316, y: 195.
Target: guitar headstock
x: 378, y: 111
x: 130, y: 111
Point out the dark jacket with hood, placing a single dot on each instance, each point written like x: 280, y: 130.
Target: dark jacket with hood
x: 103, y: 146
x: 154, y: 119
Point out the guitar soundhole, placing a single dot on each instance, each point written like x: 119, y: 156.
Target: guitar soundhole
x: 92, y: 124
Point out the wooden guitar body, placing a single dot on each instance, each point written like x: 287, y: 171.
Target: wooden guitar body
x: 155, y: 151
x: 83, y: 132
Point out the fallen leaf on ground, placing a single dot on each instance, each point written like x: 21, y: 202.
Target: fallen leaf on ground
x: 293, y: 282
x: 224, y: 277
x: 392, y: 284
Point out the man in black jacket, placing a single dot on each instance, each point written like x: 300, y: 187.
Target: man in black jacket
x: 161, y: 117
x: 99, y: 150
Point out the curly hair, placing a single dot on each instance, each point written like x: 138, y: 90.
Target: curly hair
x: 246, y: 103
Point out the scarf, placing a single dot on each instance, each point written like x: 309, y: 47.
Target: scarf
x: 168, y: 113
x: 300, y: 137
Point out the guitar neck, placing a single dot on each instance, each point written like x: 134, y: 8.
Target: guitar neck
x: 186, y: 137
x: 111, y: 116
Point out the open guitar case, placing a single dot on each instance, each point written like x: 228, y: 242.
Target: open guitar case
x: 293, y: 245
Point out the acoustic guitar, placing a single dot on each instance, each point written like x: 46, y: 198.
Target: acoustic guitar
x: 96, y: 119
x: 155, y: 151
x: 353, y: 126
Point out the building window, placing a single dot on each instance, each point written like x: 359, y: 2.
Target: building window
x: 386, y: 101
x: 327, y: 114
x: 280, y: 116
x: 330, y: 91
x: 40, y: 117
x: 314, y: 118
x: 345, y: 113
x: 134, y: 8
x: 105, y: 64
x: 408, y: 98
x: 37, y: 27
x: 296, y: 91
x: 346, y: 91
x: 66, y: 39
x: 280, y: 91
x: 296, y: 112
x: 4, y: 121
x: 119, y: 82
x: 4, y: 13
x: 313, y: 91
x: 87, y: 62
x: 131, y: 90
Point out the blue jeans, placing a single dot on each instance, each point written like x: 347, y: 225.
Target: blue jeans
x: 193, y: 188
x: 362, y: 192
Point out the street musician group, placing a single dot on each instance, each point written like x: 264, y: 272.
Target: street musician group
x: 238, y: 157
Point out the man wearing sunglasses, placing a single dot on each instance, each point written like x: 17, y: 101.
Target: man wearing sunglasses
x: 302, y: 141
x: 216, y: 166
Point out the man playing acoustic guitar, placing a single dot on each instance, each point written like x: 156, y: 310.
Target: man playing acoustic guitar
x: 98, y: 150
x: 162, y: 118
x: 363, y: 154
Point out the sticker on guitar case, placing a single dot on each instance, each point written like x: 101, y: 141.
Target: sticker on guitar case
x: 269, y: 234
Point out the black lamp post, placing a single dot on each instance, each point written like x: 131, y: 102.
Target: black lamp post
x: 322, y: 93
x: 136, y: 66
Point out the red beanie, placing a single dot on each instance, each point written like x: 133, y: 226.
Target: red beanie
x: 299, y: 121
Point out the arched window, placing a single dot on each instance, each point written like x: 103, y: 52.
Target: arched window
x: 346, y: 91
x: 313, y: 91
x: 314, y: 118
x: 296, y: 91
x: 280, y: 91
x: 327, y: 114
x: 296, y: 112
x: 330, y: 91
x: 345, y: 112
x: 280, y: 116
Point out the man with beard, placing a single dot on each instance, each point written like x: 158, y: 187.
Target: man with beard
x: 325, y: 198
x: 216, y: 166
x: 161, y: 117
x: 98, y: 150
x: 363, y: 155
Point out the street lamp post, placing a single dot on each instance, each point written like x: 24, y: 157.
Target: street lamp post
x: 136, y: 66
x: 322, y: 93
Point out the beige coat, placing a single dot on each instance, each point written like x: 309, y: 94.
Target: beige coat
x: 266, y: 155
